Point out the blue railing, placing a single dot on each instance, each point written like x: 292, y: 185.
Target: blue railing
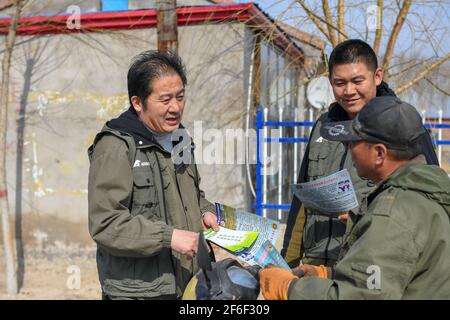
x: 260, y: 124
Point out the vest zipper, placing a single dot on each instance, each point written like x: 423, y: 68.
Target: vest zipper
x: 185, y: 210
x: 166, y: 219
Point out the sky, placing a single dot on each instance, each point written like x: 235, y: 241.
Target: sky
x: 426, y: 33
x: 427, y: 14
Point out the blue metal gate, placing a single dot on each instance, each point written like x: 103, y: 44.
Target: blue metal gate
x: 260, y: 124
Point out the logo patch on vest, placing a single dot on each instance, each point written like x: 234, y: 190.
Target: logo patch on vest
x: 336, y: 130
x: 139, y: 163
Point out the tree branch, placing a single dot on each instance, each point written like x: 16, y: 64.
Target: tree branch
x: 437, y: 87
x: 315, y: 19
x: 394, y: 35
x: 423, y: 74
x: 415, y: 64
x: 329, y: 22
x: 377, y: 41
x: 319, y: 20
x: 341, y: 20
x: 6, y: 4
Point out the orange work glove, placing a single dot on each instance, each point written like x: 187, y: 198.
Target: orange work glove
x: 307, y: 270
x: 274, y: 282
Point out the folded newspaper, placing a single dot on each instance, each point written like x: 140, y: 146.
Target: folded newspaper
x: 262, y: 251
x: 333, y: 193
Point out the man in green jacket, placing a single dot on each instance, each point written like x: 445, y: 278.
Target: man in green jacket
x: 145, y: 204
x: 314, y: 237
x: 397, y: 246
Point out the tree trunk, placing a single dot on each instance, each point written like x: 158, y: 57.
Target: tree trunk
x: 19, y: 170
x: 8, y: 242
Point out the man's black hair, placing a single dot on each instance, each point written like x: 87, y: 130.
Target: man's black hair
x: 149, y: 66
x: 353, y: 51
x: 413, y: 151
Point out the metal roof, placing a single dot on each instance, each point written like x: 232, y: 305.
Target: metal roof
x: 248, y: 13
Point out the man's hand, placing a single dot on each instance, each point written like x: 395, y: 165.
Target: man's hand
x: 274, y: 282
x: 307, y: 270
x: 184, y: 242
x: 210, y: 221
x: 343, y: 216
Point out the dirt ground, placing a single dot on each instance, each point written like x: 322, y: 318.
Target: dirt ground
x: 53, y: 277
x: 66, y: 272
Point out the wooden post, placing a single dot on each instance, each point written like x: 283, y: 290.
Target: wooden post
x: 167, y: 26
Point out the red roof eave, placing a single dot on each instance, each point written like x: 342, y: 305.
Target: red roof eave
x: 136, y: 19
x: 139, y: 19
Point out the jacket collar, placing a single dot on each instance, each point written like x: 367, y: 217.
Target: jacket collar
x: 382, y: 185
x: 129, y: 123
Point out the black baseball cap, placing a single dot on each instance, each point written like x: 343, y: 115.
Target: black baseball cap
x: 386, y: 120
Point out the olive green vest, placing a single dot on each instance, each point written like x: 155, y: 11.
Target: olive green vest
x: 156, y: 196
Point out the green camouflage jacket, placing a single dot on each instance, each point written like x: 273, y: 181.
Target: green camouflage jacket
x: 397, y: 246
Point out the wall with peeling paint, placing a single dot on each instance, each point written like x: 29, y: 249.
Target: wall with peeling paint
x: 79, y: 81
x: 69, y: 85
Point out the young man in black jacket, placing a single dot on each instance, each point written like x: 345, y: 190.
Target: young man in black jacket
x: 312, y: 237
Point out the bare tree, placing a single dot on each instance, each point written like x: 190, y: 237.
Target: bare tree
x: 431, y: 94
x: 11, y: 275
x: 6, y: 4
x: 333, y: 25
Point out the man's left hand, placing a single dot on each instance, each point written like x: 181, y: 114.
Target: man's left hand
x: 307, y: 270
x: 210, y: 221
x: 343, y: 217
x: 274, y: 282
